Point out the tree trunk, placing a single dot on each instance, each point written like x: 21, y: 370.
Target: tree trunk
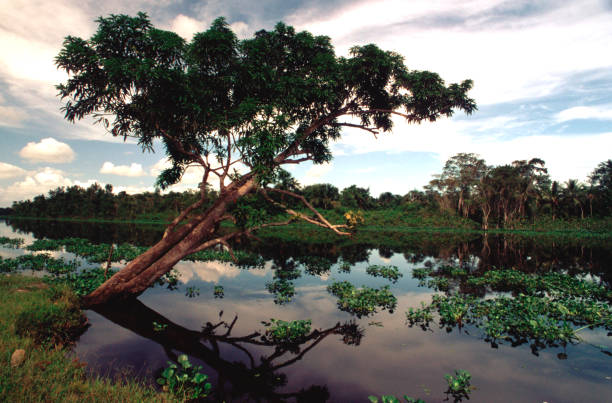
x: 142, y: 272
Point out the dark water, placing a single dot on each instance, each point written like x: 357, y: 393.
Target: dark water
x: 375, y: 355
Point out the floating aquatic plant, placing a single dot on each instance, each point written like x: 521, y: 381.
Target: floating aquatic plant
x: 184, y: 380
x: 282, y: 332
x: 547, y: 309
x: 390, y: 273
x: 362, y: 301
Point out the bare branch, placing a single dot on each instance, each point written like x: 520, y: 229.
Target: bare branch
x: 182, y: 216
x: 231, y: 326
x: 213, y: 242
x: 391, y: 111
x: 321, y: 222
x: 362, y: 127
x: 296, y: 161
x: 230, y: 250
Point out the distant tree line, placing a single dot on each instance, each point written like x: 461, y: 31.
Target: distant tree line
x: 500, y: 195
x: 494, y: 196
x: 100, y: 202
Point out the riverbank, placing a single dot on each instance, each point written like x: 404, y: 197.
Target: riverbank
x: 48, y: 370
x: 392, y: 222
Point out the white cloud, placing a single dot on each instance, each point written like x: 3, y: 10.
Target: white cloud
x: 48, y: 150
x: 210, y: 272
x: 241, y: 29
x: 193, y: 175
x: 133, y: 189
x: 38, y: 183
x: 122, y: 170
x: 316, y: 173
x: 585, y: 112
x: 186, y: 26
x: 11, y: 116
x: 528, y: 57
x: 566, y: 156
x: 10, y: 171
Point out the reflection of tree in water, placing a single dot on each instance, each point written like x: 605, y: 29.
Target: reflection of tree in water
x: 136, y: 234
x: 256, y: 378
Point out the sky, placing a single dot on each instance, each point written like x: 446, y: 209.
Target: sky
x: 542, y: 73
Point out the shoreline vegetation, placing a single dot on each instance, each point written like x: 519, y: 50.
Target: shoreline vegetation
x: 387, y: 221
x: 49, y: 371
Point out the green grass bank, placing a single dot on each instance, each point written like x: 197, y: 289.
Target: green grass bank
x: 41, y: 319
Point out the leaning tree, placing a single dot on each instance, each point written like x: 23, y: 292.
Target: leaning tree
x: 218, y: 102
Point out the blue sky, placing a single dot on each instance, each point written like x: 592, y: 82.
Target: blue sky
x: 542, y: 73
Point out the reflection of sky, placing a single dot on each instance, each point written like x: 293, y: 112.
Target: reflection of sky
x: 392, y: 359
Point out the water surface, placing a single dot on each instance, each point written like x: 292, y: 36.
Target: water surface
x: 350, y: 358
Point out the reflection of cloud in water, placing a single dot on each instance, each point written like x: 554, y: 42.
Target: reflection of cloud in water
x: 206, y: 271
x: 7, y: 231
x: 7, y: 253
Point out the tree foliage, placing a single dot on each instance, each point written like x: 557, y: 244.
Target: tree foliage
x: 218, y: 103
x: 263, y: 100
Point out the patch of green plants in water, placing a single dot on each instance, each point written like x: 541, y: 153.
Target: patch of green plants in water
x: 316, y: 265
x: 554, y: 284
x: 37, y: 262
x: 281, y: 332
x: 390, y: 273
x: 99, y: 253
x: 393, y: 399
x: 459, y: 388
x: 62, y: 272
x: 170, y: 280
x: 243, y: 258
x: 362, y: 301
x: 11, y: 242
x: 192, y: 292
x: 543, y: 310
x: 288, y: 274
x: 218, y: 291
x: 44, y: 244
x: 159, y: 327
x: 184, y: 380
x: 283, y: 290
x: 344, y: 267
x: 58, y: 322
x: 84, y: 281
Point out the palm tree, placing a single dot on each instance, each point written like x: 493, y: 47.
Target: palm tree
x: 573, y: 194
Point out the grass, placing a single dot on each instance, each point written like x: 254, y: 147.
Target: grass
x: 50, y: 373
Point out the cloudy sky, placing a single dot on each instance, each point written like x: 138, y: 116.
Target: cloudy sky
x: 542, y: 73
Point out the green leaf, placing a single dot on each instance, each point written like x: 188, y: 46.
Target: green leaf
x: 199, y: 378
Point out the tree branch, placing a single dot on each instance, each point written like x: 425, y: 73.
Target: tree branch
x: 296, y: 161
x: 322, y: 222
x: 179, y: 146
x: 362, y: 127
x: 182, y: 216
